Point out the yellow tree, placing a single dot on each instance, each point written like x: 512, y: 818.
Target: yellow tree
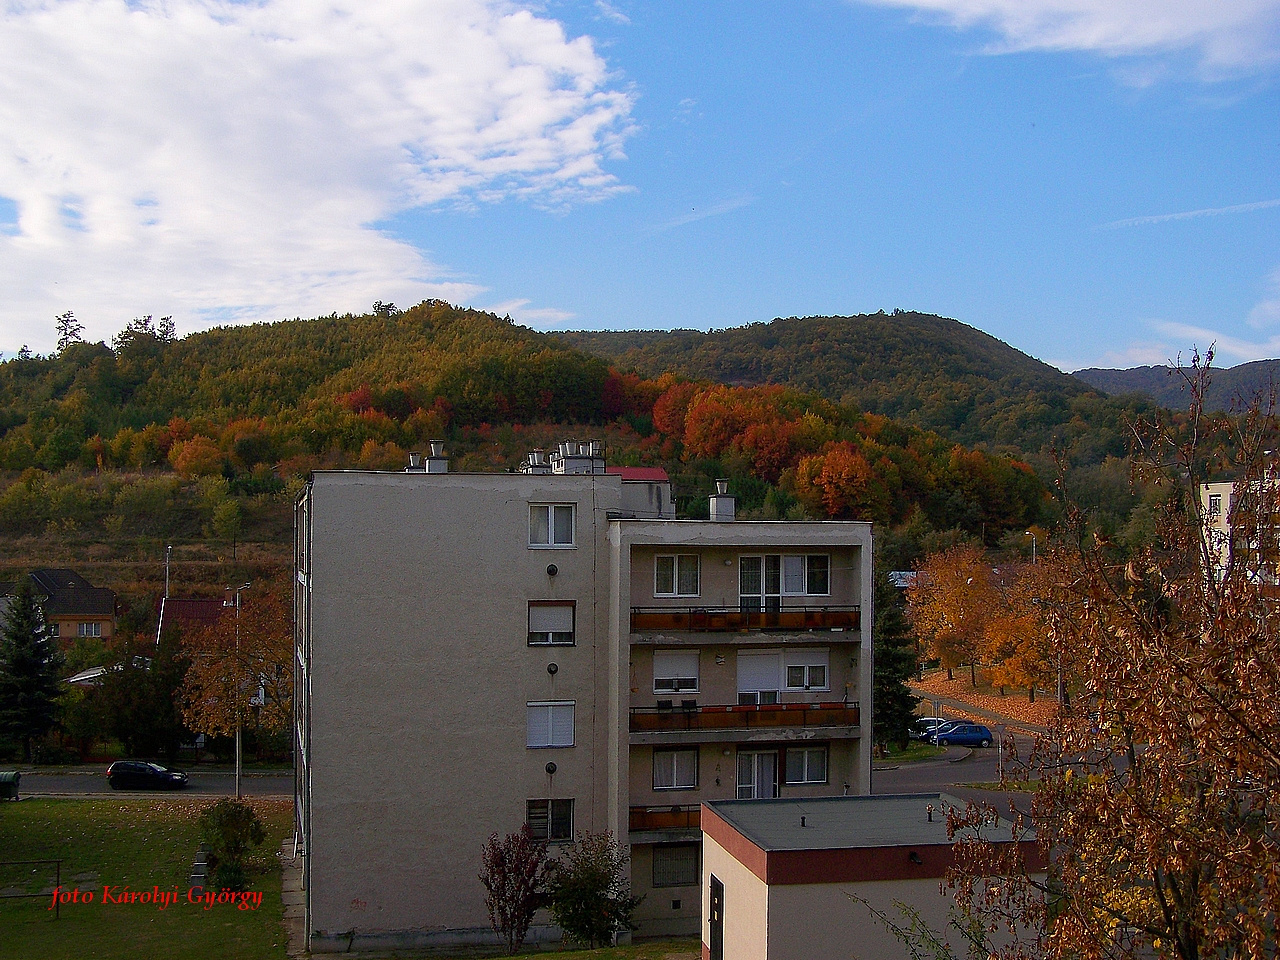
x: 1016, y: 641
x: 950, y: 603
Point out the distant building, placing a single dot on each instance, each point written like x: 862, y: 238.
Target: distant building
x: 73, y: 607
x: 794, y: 879
x: 554, y: 647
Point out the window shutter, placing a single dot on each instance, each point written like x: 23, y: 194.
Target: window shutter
x: 551, y: 618
x: 758, y: 671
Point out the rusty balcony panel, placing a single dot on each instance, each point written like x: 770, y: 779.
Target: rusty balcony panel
x: 741, y: 716
x: 665, y: 818
x: 734, y: 619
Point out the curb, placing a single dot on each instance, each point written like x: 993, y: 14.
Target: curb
x: 968, y: 752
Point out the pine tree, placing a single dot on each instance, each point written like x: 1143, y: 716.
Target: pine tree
x: 895, y: 662
x: 29, y: 665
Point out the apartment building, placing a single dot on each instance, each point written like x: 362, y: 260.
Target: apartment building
x: 477, y: 651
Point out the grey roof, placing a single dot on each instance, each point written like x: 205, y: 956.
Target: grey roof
x: 842, y: 823
x: 67, y: 593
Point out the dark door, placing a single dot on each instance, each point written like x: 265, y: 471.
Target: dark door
x: 717, y: 919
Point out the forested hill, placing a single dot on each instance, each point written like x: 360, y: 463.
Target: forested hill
x: 1231, y: 387
x: 929, y: 371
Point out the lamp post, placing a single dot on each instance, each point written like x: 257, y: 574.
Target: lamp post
x: 1033, y: 546
x: 239, y: 590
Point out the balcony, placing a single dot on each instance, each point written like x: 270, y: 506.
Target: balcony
x: 744, y: 716
x: 666, y: 818
x: 735, y: 619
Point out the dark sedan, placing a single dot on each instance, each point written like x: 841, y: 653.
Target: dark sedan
x: 961, y: 733
x: 139, y: 775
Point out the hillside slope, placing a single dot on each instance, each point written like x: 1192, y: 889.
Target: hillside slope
x: 932, y: 372
x: 1230, y: 388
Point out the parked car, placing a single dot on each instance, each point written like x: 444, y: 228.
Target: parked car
x: 962, y: 733
x: 139, y: 775
x: 924, y: 727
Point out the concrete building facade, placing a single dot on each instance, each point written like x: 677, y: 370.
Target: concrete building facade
x: 477, y: 651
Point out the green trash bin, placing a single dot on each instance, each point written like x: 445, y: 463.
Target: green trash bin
x: 9, y: 785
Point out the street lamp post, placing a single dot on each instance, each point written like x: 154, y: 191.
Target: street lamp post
x: 239, y: 590
x: 1033, y: 546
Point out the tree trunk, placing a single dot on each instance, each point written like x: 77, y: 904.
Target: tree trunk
x: 949, y: 676
x: 973, y: 675
x: 1031, y: 693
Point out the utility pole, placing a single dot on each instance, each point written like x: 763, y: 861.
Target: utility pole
x: 1033, y: 546
x: 239, y: 692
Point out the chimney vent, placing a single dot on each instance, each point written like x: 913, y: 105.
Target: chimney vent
x: 415, y: 462
x: 722, y: 505
x: 437, y: 462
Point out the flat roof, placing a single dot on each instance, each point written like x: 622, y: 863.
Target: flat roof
x: 844, y: 823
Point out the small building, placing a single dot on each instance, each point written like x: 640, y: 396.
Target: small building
x: 73, y: 607
x: 793, y: 879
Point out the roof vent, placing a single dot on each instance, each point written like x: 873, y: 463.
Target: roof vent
x: 573, y: 456
x: 415, y: 463
x: 437, y: 462
x: 536, y: 462
x: 722, y: 505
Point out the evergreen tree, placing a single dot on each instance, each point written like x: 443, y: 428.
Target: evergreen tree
x: 895, y: 662
x: 29, y: 667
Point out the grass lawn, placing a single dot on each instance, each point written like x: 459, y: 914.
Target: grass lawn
x: 141, y: 844
x: 916, y: 750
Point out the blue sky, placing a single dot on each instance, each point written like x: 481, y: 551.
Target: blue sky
x: 1096, y: 182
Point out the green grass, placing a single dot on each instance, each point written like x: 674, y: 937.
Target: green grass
x: 140, y: 843
x: 916, y: 750
x: 1009, y: 786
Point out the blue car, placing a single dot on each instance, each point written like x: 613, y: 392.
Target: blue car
x: 962, y: 733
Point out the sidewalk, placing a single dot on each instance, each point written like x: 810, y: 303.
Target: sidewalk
x: 990, y: 716
x: 291, y: 893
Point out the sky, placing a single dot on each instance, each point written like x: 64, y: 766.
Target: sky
x: 1096, y: 182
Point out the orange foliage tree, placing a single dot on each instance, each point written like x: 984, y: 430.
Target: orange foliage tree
x: 250, y: 680
x: 1016, y: 641
x: 950, y: 604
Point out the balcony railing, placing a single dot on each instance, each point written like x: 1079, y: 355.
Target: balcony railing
x: 729, y: 619
x: 741, y: 716
x: 666, y: 818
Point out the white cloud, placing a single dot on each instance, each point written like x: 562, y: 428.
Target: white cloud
x: 1193, y: 214
x: 715, y: 210
x: 218, y: 160
x: 1226, y: 36
x: 1266, y: 313
x: 537, y: 317
x: 610, y: 12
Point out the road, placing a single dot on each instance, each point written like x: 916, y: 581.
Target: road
x: 212, y: 783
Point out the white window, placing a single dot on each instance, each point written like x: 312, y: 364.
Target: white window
x: 807, y: 765
x: 550, y: 723
x: 806, y: 575
x: 675, y: 671
x: 1215, y: 504
x: 676, y: 576
x: 51, y: 628
x: 551, y: 623
x: 807, y: 669
x: 675, y: 769
x: 550, y: 819
x: 551, y: 525
x: 758, y: 775
x: 759, y: 677
x: 675, y: 865
x: 90, y: 629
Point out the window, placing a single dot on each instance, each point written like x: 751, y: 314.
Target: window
x: 90, y: 629
x: 51, y: 628
x: 1215, y: 504
x: 806, y: 669
x: 551, y: 623
x: 758, y: 775
x: 550, y: 819
x: 807, y: 765
x: 675, y: 671
x: 675, y: 769
x: 551, y: 525
x: 676, y: 576
x: 806, y: 575
x: 550, y: 723
x: 758, y: 676
x: 675, y: 865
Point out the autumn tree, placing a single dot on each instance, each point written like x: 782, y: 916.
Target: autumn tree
x: 1157, y: 789
x: 242, y: 667
x: 514, y: 874
x: 1016, y: 640
x: 950, y: 604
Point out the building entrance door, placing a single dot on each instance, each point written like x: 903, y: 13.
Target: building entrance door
x: 717, y: 919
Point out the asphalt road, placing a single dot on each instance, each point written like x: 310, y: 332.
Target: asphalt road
x: 214, y: 783
x: 960, y: 766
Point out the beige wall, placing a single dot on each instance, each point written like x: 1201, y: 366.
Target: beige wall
x: 420, y: 674
x: 746, y: 904
x: 657, y: 916
x: 823, y: 921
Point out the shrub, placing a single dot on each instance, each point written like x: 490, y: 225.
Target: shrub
x: 230, y: 829
x: 590, y: 896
